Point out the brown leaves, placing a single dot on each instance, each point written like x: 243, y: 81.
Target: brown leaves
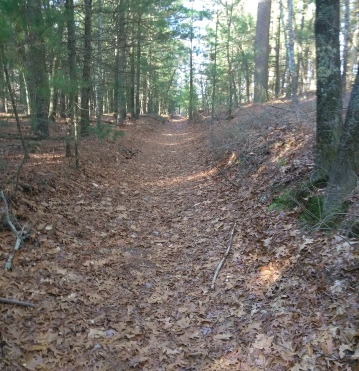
x: 123, y: 253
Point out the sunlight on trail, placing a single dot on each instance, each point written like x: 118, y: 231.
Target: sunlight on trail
x: 179, y: 142
x: 182, y: 179
x: 175, y: 135
x: 287, y: 149
x: 268, y: 274
x: 178, y: 119
x: 46, y: 158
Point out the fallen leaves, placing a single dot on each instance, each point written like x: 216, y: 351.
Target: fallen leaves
x: 122, y: 255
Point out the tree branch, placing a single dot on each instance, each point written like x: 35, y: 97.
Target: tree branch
x: 17, y: 302
x: 18, y: 235
x: 220, y: 264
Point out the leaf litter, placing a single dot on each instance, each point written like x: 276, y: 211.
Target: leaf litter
x: 122, y: 254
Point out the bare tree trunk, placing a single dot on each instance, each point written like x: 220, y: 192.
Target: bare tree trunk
x: 120, y: 66
x: 329, y: 102
x: 13, y: 101
x: 53, y: 91
x: 99, y: 86
x: 345, y: 45
x: 289, y: 43
x: 54, y: 67
x: 131, y: 102
x: 214, y: 82
x: 247, y: 72
x: 300, y: 68
x: 71, y: 48
x: 38, y: 83
x: 28, y: 105
x: 343, y: 177
x: 229, y: 13
x: 86, y: 71
x: 292, y: 68
x: 138, y: 67
x: 191, y: 88
x: 262, y: 51
x: 277, y: 64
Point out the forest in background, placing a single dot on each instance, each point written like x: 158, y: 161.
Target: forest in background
x: 78, y: 60
x: 132, y: 57
x: 178, y: 185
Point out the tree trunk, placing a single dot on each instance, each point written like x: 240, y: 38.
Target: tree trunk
x: 38, y: 82
x: 289, y: 43
x: 262, y: 51
x: 71, y: 49
x: 99, y: 86
x: 86, y: 71
x: 138, y: 67
x: 52, y: 107
x: 329, y: 102
x: 343, y: 177
x: 291, y: 60
x: 120, y: 66
x: 277, y: 64
x: 345, y: 45
x: 214, y: 82
x: 190, y: 104
x: 131, y: 103
x: 229, y: 13
x: 13, y: 102
x: 301, y: 70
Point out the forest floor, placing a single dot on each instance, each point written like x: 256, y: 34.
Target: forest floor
x: 122, y: 253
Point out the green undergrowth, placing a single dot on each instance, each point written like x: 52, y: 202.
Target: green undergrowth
x: 105, y: 132
x: 351, y: 228
x: 306, y: 199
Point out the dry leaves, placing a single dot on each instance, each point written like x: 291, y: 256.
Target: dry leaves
x: 122, y: 255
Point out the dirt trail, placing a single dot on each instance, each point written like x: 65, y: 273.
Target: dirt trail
x: 181, y: 227
x: 123, y: 252
x: 126, y: 259
x: 177, y: 236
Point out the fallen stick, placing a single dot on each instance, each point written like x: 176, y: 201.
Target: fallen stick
x: 17, y: 302
x: 18, y: 235
x: 220, y: 264
x: 225, y: 177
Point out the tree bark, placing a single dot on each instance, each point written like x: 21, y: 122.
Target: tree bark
x: 38, y: 83
x: 289, y: 44
x: 329, y: 102
x: 345, y: 44
x: 229, y: 13
x: 138, y: 67
x: 71, y: 50
x: 291, y: 60
x: 191, y: 88
x: 86, y: 71
x: 99, y: 86
x: 262, y: 51
x: 13, y: 102
x: 120, y: 66
x: 277, y: 64
x: 131, y: 102
x: 214, y: 82
x: 343, y: 177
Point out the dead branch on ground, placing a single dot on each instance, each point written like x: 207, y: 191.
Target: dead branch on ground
x: 18, y: 234
x: 220, y: 264
x: 17, y: 302
x: 226, y: 177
